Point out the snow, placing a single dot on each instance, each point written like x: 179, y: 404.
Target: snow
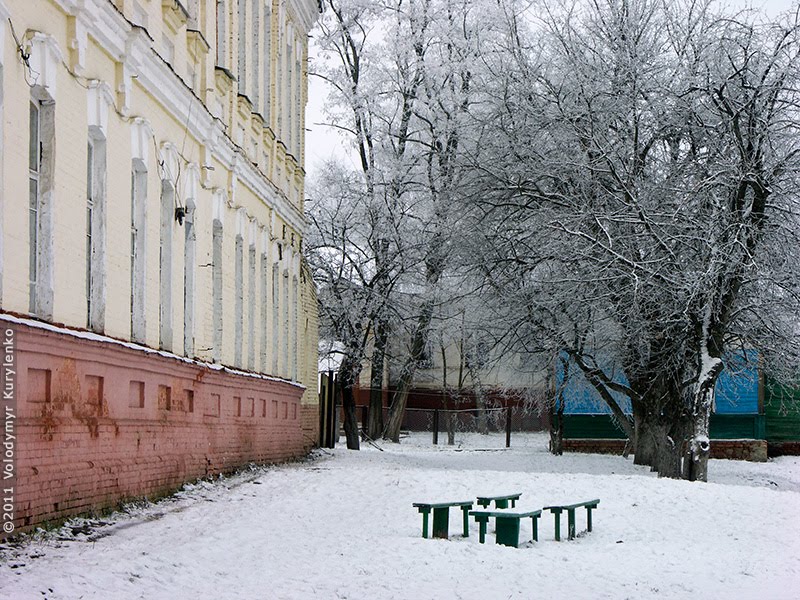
x: 342, y: 526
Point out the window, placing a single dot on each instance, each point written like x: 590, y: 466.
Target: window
x: 256, y: 34
x: 221, y: 32
x: 165, y: 266
x: 241, y: 71
x: 275, y: 315
x: 267, y: 65
x: 239, y: 305
x: 279, y: 92
x: 298, y: 109
x: 89, y: 214
x: 286, y: 125
x: 285, y: 335
x: 251, y: 310
x: 95, y: 230
x: 41, y: 155
x: 189, y: 253
x: 34, y: 180
x: 263, y: 298
x: 216, y: 284
x: 137, y: 259
x: 193, y: 22
x: 294, y: 329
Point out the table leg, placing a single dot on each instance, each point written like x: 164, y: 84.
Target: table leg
x: 507, y: 531
x: 441, y: 522
x: 589, y: 517
x: 557, y: 514
x: 571, y: 523
x: 535, y: 519
x: 482, y: 534
x: 465, y: 510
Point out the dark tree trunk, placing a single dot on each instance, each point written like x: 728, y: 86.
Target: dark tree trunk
x: 698, y: 448
x: 348, y: 378
x: 400, y: 397
x: 375, y: 420
x: 644, y: 438
x: 480, y: 405
x: 556, y: 414
x: 658, y: 426
x: 667, y: 456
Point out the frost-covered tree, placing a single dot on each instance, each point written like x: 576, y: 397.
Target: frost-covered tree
x: 404, y: 75
x: 366, y: 203
x: 642, y: 204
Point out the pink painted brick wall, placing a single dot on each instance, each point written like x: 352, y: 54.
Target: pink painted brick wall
x: 99, y: 422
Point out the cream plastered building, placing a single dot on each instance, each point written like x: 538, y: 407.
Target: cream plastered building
x: 152, y: 156
x: 162, y: 320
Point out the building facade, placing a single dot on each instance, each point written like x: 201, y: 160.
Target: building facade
x: 151, y: 209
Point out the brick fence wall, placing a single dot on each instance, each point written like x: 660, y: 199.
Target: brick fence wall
x: 752, y: 450
x: 98, y: 422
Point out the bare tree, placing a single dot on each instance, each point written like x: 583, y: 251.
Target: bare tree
x: 646, y: 156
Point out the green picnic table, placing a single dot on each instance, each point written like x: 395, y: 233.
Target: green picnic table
x: 441, y: 516
x: 499, y: 501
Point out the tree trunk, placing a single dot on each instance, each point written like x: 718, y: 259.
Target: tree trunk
x: 658, y: 426
x: 556, y: 414
x: 452, y: 417
x: 667, y: 457
x: 400, y: 397
x: 375, y: 420
x: 699, y: 444
x: 480, y: 405
x: 698, y: 451
x: 348, y: 378
x: 645, y: 447
x: 480, y: 400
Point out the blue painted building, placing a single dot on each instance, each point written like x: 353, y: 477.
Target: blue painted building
x: 738, y: 411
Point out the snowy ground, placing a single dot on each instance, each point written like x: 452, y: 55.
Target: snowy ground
x: 342, y: 526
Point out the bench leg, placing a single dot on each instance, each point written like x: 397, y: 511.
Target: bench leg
x: 589, y: 518
x: 482, y: 532
x: 535, y: 519
x: 507, y: 531
x: 465, y: 510
x: 441, y: 522
x: 571, y: 523
x: 557, y: 515
x: 425, y: 513
x: 500, y: 503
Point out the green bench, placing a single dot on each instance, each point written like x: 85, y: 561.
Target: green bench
x: 499, y: 501
x: 570, y: 508
x: 506, y: 524
x: 441, y: 517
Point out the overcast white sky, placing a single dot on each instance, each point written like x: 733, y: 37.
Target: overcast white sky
x: 322, y: 142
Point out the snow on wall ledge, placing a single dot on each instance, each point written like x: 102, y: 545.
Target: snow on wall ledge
x: 99, y: 422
